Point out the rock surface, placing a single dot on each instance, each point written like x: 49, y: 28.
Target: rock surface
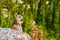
x: 9, y: 34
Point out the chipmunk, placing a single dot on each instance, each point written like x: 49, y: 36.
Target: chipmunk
x: 17, y: 24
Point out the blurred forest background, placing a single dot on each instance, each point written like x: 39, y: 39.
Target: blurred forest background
x: 40, y: 17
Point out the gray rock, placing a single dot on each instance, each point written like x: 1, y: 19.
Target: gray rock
x: 9, y: 34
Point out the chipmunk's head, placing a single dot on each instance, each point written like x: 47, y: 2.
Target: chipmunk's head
x: 18, y: 17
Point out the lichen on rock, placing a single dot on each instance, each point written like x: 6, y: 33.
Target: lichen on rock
x: 9, y: 34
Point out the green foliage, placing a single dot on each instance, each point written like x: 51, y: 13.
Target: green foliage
x: 43, y: 12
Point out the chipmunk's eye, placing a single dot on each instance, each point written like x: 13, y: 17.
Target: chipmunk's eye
x: 19, y: 16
